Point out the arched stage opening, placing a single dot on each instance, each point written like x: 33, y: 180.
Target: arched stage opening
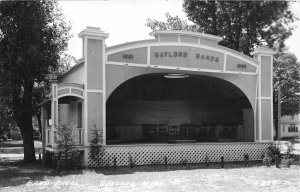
x: 171, y: 108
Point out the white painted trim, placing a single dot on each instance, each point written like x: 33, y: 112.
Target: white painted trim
x: 270, y: 54
x: 255, y: 108
x: 225, y: 62
x: 271, y: 87
x: 95, y: 91
x: 86, y: 143
x: 127, y: 64
x: 93, y: 37
x: 240, y: 73
x: 70, y: 94
x: 259, y: 100
x: 179, y: 68
x: 187, y: 33
x: 62, y: 86
x: 104, y: 92
x: 262, y: 141
x: 199, y: 41
x: 265, y: 97
x: 182, y: 44
x: 179, y: 40
x: 148, y: 55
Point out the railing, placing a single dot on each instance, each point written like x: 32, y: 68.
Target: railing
x: 77, y: 134
x: 52, y: 136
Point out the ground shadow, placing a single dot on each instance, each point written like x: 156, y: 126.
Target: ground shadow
x: 16, y: 173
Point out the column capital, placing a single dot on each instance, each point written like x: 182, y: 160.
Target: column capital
x: 264, y: 50
x: 93, y: 33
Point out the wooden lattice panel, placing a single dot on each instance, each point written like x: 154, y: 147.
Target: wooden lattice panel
x: 177, y: 153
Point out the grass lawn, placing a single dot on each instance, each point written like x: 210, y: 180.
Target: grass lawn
x: 148, y: 178
x: 19, y: 143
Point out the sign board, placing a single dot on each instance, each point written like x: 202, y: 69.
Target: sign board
x: 182, y: 57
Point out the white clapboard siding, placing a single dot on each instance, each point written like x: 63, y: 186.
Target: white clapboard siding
x: 82, y: 116
x: 74, y: 75
x: 63, y: 114
x: 73, y: 115
x: 68, y: 114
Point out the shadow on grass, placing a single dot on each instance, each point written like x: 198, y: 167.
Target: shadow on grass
x: 16, y: 173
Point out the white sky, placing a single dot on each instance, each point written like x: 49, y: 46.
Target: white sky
x: 125, y: 20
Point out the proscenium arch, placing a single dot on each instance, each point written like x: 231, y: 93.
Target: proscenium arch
x: 193, y: 89
x: 117, y: 74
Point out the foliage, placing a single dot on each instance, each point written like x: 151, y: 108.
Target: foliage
x: 246, y: 157
x: 65, y: 140
x: 33, y: 35
x: 267, y: 160
x: 243, y: 24
x: 173, y: 23
x: 14, y: 132
x: 97, y: 149
x: 5, y: 119
x: 287, y: 73
x: 286, y: 158
x: 274, y: 149
x: 131, y: 161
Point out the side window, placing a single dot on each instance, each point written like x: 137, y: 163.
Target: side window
x: 293, y: 128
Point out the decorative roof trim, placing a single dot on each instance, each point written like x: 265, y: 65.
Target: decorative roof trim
x: 186, y: 33
x: 93, y: 32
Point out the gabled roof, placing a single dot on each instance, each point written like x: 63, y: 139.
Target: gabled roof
x: 79, y: 63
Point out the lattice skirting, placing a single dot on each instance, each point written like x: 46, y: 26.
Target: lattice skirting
x: 177, y: 153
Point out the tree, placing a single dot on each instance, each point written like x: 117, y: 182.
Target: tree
x: 173, y: 23
x: 287, y: 73
x: 243, y: 24
x: 5, y: 119
x: 33, y: 34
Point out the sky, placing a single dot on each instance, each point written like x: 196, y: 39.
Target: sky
x: 125, y: 20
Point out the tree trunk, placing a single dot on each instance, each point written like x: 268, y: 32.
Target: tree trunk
x: 24, y: 114
x: 28, y: 144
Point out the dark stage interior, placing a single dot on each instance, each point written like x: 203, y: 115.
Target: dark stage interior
x: 159, y: 108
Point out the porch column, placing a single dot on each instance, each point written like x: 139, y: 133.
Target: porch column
x: 94, y: 84
x: 264, y: 113
x: 54, y: 109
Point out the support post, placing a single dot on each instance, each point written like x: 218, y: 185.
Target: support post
x: 94, y: 84
x: 264, y: 113
x: 54, y: 110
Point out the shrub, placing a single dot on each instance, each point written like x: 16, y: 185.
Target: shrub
x: 65, y: 141
x: 97, y: 149
x: 274, y: 149
x: 286, y: 159
x: 15, y: 133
